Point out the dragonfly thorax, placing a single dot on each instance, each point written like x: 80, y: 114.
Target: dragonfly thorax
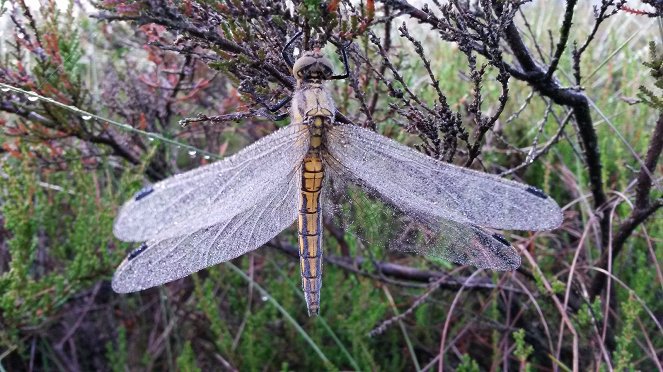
x: 312, y: 66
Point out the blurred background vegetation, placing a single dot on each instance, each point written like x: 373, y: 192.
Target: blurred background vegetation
x: 91, y: 99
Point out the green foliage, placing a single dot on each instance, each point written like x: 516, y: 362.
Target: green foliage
x: 311, y: 10
x: 68, y: 227
x: 52, y: 71
x: 623, y: 355
x: 590, y: 314
x: 467, y: 364
x: 558, y: 287
x: 655, y: 63
x: 207, y: 303
x: 523, y: 350
x: 117, y: 352
x: 186, y: 362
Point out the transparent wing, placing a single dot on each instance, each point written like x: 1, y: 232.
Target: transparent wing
x: 213, y: 193
x: 163, y: 260
x: 416, y: 183
x: 379, y: 224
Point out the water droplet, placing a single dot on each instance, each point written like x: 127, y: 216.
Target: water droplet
x: 20, y: 35
x: 264, y: 298
x: 149, y: 138
x: 192, y: 153
x: 5, y: 89
x: 206, y: 157
x: 86, y: 117
x: 32, y: 98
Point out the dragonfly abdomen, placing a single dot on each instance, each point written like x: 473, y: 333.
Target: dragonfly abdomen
x: 310, y: 219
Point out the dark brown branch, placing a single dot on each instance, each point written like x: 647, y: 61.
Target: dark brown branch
x: 642, y: 208
x: 563, y: 37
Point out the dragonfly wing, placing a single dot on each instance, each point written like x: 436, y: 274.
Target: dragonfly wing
x: 160, y: 261
x: 421, y: 185
x: 216, y: 192
x: 380, y: 224
x: 468, y: 245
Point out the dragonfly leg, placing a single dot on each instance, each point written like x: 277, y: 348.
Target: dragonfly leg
x: 277, y: 106
x: 274, y: 108
x: 344, y: 54
x: 288, y: 57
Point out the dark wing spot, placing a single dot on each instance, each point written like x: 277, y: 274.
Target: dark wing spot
x: 145, y: 191
x: 536, y: 192
x: 510, y: 262
x: 137, y: 251
x: 501, y: 239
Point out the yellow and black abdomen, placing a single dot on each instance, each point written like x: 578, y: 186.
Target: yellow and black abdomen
x: 310, y: 219
x: 310, y: 231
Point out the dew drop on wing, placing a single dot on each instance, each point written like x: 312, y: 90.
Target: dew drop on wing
x: 145, y: 191
x: 501, y: 239
x: 137, y: 251
x: 536, y: 192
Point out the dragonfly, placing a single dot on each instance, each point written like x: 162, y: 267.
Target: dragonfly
x: 223, y: 210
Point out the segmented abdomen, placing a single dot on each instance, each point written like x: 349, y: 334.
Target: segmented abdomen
x: 310, y: 231
x: 310, y: 222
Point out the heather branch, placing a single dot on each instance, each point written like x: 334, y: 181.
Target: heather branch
x: 386, y: 46
x: 601, y: 15
x: 376, y: 41
x: 643, y: 207
x: 563, y: 37
x: 361, y: 96
x: 537, y: 153
x: 419, y: 49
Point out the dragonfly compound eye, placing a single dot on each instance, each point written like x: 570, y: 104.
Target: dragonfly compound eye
x: 312, y: 65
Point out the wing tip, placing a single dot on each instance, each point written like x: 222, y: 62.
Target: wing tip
x: 119, y: 285
x: 515, y: 263
x: 546, y: 218
x: 125, y: 281
x: 510, y: 257
x: 556, y: 219
x: 121, y: 282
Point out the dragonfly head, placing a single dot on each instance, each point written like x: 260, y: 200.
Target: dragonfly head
x: 312, y: 65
